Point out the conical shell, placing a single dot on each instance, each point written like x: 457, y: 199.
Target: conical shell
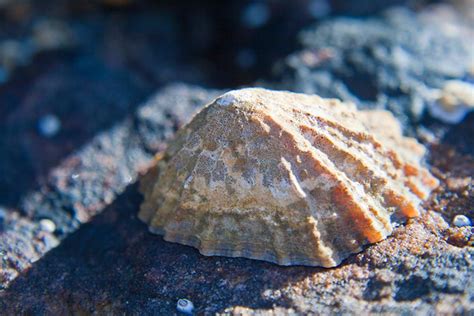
x: 283, y: 177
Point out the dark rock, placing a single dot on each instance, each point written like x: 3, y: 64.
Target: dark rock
x: 113, y: 265
x: 26, y: 154
x: 91, y: 178
x: 369, y: 7
x: 394, y: 61
x: 114, y: 63
x: 22, y: 242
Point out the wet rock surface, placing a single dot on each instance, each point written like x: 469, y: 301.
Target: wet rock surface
x: 80, y: 193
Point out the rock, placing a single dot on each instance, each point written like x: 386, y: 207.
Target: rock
x: 397, y: 61
x: 113, y: 265
x: 91, y: 178
x: 21, y: 244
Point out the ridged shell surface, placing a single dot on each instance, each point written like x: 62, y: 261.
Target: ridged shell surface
x: 289, y: 178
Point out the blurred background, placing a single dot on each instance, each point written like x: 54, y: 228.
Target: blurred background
x: 220, y: 42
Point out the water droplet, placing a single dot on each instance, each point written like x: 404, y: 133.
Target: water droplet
x: 49, y: 125
x: 185, y: 306
x: 255, y: 15
x: 319, y: 8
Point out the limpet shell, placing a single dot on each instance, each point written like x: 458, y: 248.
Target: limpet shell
x: 288, y: 178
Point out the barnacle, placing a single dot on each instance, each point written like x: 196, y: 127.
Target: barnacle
x: 285, y: 177
x: 453, y: 102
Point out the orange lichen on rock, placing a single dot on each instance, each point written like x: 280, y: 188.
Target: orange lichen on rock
x: 285, y: 177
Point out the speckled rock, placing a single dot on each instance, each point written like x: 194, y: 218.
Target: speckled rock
x: 88, y: 180
x: 22, y: 242
x: 397, y: 61
x: 113, y: 265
